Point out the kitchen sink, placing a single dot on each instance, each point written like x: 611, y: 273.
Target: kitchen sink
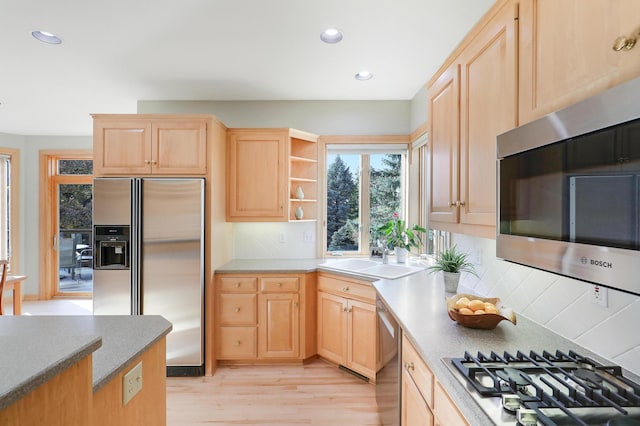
x: 371, y: 268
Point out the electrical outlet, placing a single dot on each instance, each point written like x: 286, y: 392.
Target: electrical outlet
x: 308, y: 237
x: 598, y: 296
x: 131, y: 383
x: 282, y: 237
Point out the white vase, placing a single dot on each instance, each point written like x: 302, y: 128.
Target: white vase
x: 299, y: 213
x: 451, y: 280
x: 401, y: 254
x: 299, y: 193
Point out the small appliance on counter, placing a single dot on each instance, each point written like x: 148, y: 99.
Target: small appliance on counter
x: 532, y: 389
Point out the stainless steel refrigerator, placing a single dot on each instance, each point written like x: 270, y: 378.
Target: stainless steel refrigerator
x: 149, y: 258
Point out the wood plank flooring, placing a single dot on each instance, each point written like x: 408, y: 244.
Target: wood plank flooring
x: 314, y: 394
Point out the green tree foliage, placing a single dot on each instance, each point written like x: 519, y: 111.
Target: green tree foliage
x: 75, y: 206
x: 385, y: 192
x: 346, y: 237
x: 340, y: 187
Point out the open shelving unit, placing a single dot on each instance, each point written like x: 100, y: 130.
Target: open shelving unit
x: 303, y: 173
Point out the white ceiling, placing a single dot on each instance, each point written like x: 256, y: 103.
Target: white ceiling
x: 116, y: 52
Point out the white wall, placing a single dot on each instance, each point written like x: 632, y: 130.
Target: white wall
x: 558, y: 303
x: 319, y: 117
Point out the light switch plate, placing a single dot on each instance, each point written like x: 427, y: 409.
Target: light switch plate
x: 131, y: 383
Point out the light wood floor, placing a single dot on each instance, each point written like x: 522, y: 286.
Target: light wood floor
x: 317, y: 393
x: 314, y: 394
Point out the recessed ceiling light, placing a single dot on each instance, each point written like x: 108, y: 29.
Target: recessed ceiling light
x: 46, y: 37
x: 364, y: 75
x: 331, y: 35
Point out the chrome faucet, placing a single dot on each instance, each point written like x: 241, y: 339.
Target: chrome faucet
x: 385, y: 255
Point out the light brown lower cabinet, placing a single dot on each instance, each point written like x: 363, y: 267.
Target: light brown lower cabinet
x: 348, y: 329
x: 415, y: 410
x: 261, y: 317
x: 424, y: 401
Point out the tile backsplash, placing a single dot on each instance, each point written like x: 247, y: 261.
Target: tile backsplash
x: 559, y: 303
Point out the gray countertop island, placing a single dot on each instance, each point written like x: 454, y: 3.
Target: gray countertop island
x: 33, y: 349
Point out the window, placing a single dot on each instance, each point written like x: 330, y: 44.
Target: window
x: 436, y: 240
x: 5, y: 206
x: 365, y: 185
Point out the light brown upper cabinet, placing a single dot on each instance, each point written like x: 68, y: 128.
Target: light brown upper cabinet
x: 470, y: 103
x: 265, y: 169
x: 149, y: 145
x: 566, y: 52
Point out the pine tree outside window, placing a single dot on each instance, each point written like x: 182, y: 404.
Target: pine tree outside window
x: 365, y: 185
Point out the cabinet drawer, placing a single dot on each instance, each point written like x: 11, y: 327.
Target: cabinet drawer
x: 349, y: 289
x: 421, y: 374
x: 280, y: 285
x: 238, y: 342
x: 238, y: 309
x: 445, y: 410
x: 238, y: 284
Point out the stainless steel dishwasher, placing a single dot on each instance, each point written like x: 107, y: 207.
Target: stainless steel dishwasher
x: 388, y: 378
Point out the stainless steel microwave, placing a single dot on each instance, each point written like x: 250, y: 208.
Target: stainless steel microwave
x: 569, y: 191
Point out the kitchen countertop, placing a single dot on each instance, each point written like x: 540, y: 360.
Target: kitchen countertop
x: 33, y: 349
x: 418, y: 304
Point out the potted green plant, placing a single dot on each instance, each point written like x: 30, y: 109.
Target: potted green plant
x: 451, y: 262
x: 401, y: 237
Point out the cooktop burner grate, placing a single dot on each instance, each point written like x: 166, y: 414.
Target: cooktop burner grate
x: 563, y: 382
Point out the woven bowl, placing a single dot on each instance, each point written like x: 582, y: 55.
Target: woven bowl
x: 483, y: 321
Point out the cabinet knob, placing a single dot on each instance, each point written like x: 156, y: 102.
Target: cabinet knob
x: 238, y: 343
x: 147, y: 162
x: 238, y: 285
x: 350, y: 309
x: 624, y: 43
x: 237, y: 309
x: 344, y: 309
x: 409, y: 366
x: 279, y: 284
x: 345, y: 288
x: 295, y: 304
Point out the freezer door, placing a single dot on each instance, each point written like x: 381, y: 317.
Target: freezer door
x: 112, y: 206
x: 172, y: 257
x: 112, y: 201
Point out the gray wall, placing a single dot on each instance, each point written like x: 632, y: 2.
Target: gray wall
x: 319, y: 117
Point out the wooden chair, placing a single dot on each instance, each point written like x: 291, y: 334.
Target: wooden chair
x: 3, y: 280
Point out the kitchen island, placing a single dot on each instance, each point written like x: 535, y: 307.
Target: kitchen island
x: 80, y: 361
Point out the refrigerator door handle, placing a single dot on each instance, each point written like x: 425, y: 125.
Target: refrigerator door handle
x: 136, y: 236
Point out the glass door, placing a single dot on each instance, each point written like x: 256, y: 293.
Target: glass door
x: 74, y: 198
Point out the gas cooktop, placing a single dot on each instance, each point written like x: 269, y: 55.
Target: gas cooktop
x: 548, y: 389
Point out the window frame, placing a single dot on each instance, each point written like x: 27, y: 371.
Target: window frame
x: 369, y: 143
x: 14, y: 207
x: 48, y: 179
